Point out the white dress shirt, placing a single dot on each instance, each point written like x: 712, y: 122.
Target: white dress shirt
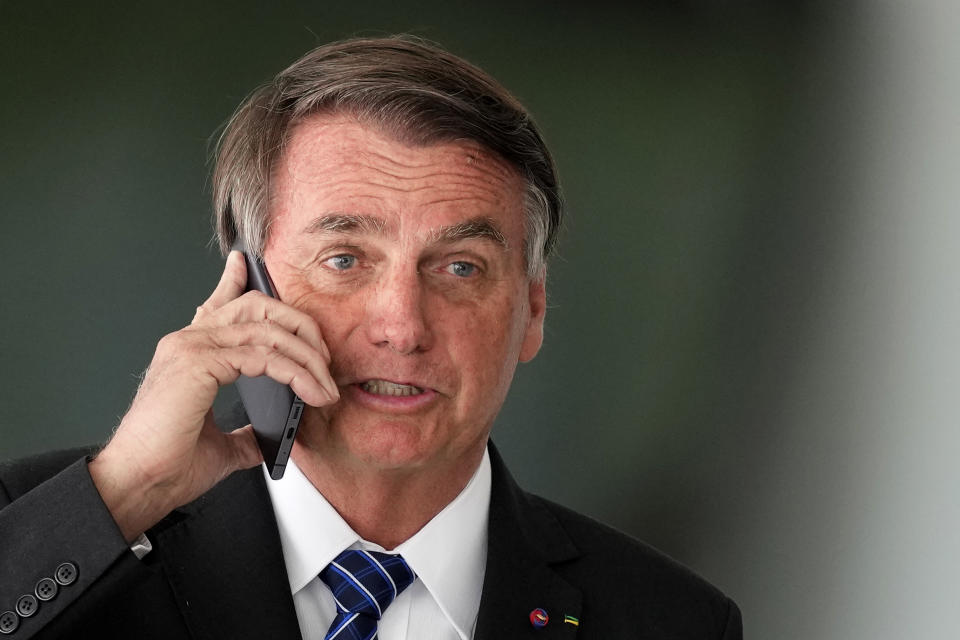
x: 448, y: 555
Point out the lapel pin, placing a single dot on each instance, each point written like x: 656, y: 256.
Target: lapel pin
x: 571, y: 620
x: 539, y: 618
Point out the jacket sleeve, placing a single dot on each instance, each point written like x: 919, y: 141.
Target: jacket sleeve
x: 734, y: 627
x: 56, y: 540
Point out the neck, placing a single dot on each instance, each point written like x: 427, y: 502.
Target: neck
x: 389, y: 506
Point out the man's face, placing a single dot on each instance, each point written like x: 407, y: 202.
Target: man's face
x: 411, y: 261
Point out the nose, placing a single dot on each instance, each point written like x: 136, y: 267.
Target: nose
x: 396, y: 313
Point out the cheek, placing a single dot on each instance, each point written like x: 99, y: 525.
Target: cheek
x: 485, y: 343
x: 334, y: 313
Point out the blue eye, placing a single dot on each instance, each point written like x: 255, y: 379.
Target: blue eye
x: 462, y: 269
x: 342, y: 262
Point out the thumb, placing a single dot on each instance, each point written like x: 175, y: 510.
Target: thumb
x: 232, y: 284
x: 244, y: 448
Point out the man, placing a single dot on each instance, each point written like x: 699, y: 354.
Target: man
x: 404, y: 205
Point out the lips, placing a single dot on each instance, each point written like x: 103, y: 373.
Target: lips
x: 388, y: 388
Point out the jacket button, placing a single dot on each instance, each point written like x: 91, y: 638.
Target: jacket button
x: 46, y: 589
x: 9, y: 621
x: 27, y: 606
x: 66, y: 573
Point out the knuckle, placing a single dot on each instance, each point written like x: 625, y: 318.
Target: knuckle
x: 256, y: 303
x: 199, y: 313
x: 169, y: 343
x: 181, y: 346
x: 272, y: 355
x: 263, y: 352
x: 266, y: 330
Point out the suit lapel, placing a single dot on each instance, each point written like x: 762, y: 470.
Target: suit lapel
x: 524, y: 541
x: 223, y: 558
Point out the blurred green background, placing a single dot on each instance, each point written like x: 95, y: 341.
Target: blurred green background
x: 718, y: 322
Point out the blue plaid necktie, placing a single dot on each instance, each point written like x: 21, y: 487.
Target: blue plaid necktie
x: 364, y: 583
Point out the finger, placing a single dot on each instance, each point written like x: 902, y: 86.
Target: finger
x: 233, y: 282
x: 255, y: 307
x: 258, y: 360
x: 275, y: 338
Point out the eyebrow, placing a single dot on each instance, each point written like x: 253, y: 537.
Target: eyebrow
x: 479, y: 228
x: 347, y: 223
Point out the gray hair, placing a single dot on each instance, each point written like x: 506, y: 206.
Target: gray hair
x: 411, y: 89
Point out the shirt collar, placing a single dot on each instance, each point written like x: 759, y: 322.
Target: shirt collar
x: 302, y: 514
x: 449, y: 553
x: 452, y: 573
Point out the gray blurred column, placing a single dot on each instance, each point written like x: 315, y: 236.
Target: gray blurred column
x: 858, y: 531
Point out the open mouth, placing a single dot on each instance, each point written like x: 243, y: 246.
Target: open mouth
x: 387, y: 388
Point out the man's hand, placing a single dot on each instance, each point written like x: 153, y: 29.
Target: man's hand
x: 167, y: 450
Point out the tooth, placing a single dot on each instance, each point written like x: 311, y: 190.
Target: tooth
x: 387, y: 388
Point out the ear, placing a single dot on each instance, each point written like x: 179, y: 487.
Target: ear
x: 533, y: 337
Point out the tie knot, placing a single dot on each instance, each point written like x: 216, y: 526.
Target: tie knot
x: 366, y: 582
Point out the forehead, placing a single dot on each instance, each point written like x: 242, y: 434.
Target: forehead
x: 335, y: 164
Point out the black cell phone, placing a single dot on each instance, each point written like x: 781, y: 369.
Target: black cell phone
x: 273, y: 408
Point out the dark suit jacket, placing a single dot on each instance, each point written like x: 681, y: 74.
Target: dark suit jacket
x: 217, y: 569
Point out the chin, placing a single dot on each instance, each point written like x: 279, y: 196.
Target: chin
x: 387, y: 445
x: 377, y: 442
